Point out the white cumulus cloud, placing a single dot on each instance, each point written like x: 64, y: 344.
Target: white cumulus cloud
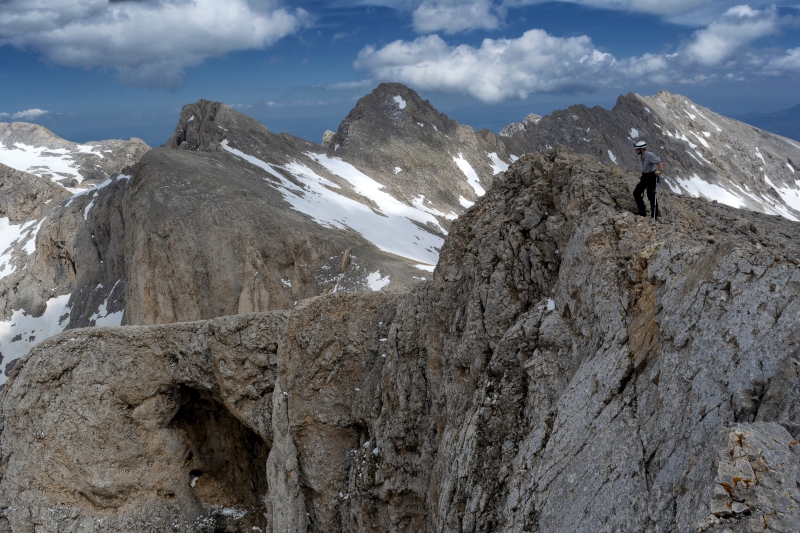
x: 149, y: 42
x: 790, y: 61
x: 453, y: 17
x: 537, y: 62
x: 739, y: 26
x: 656, y: 7
x: 28, y: 114
x: 499, y: 69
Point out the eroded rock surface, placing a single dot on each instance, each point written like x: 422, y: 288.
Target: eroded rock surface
x: 572, y: 367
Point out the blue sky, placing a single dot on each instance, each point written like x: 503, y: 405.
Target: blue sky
x: 94, y: 69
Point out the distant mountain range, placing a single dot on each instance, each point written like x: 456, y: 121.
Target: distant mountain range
x: 785, y: 123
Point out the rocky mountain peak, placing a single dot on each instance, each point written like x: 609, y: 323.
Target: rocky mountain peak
x: 389, y: 109
x: 514, y: 127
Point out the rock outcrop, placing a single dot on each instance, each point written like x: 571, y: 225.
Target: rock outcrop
x: 571, y: 367
x: 25, y: 197
x: 706, y: 154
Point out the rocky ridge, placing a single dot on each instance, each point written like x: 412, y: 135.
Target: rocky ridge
x: 571, y: 367
x: 35, y: 149
x: 706, y: 154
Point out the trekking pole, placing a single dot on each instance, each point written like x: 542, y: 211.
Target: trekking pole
x: 655, y: 199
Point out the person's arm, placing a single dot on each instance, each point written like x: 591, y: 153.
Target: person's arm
x: 660, y: 168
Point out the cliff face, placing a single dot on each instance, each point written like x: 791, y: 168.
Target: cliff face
x: 572, y: 367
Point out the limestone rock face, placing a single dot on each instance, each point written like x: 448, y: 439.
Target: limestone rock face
x: 166, y: 448
x: 206, y: 236
x: 25, y: 197
x: 60, y: 234
x: 571, y: 367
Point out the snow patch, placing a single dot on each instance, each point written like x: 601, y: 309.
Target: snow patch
x: 59, y: 163
x: 30, y: 331
x: 696, y: 187
x: 634, y: 133
x: 612, y: 157
x: 761, y: 157
x: 395, y: 228
x: 103, y: 318
x: 397, y: 170
x: 427, y: 268
x: 469, y: 172
x: 464, y: 202
x: 512, y: 157
x: 702, y: 141
x: 498, y: 165
x: 11, y: 234
x: 790, y: 167
x: 88, y: 207
x: 400, y: 102
x: 376, y: 282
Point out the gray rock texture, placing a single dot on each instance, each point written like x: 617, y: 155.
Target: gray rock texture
x: 94, y: 162
x: 207, y: 236
x: 25, y: 197
x: 704, y: 153
x: 66, y: 199
x: 571, y: 368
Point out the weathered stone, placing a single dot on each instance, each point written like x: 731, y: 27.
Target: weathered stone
x: 592, y: 372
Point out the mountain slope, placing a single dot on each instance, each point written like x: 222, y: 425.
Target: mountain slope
x: 34, y: 149
x: 571, y: 367
x: 705, y: 154
x: 288, y: 219
x: 413, y: 150
x: 59, y: 231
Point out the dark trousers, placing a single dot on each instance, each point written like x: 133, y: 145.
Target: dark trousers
x: 648, y: 181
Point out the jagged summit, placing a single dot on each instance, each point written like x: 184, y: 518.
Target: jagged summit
x: 390, y: 109
x: 514, y: 127
x: 706, y: 154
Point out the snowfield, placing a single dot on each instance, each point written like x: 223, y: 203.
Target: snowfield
x: 394, y: 227
x: 44, y: 162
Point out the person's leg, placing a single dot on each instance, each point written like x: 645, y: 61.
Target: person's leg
x: 637, y: 195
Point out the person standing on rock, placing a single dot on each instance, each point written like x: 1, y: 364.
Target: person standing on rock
x: 651, y: 170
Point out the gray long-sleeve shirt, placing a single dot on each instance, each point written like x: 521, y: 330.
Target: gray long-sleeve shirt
x: 650, y: 162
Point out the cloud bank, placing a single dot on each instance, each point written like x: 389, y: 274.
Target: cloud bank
x: 537, y: 62
x: 148, y: 42
x: 28, y: 114
x: 455, y: 17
